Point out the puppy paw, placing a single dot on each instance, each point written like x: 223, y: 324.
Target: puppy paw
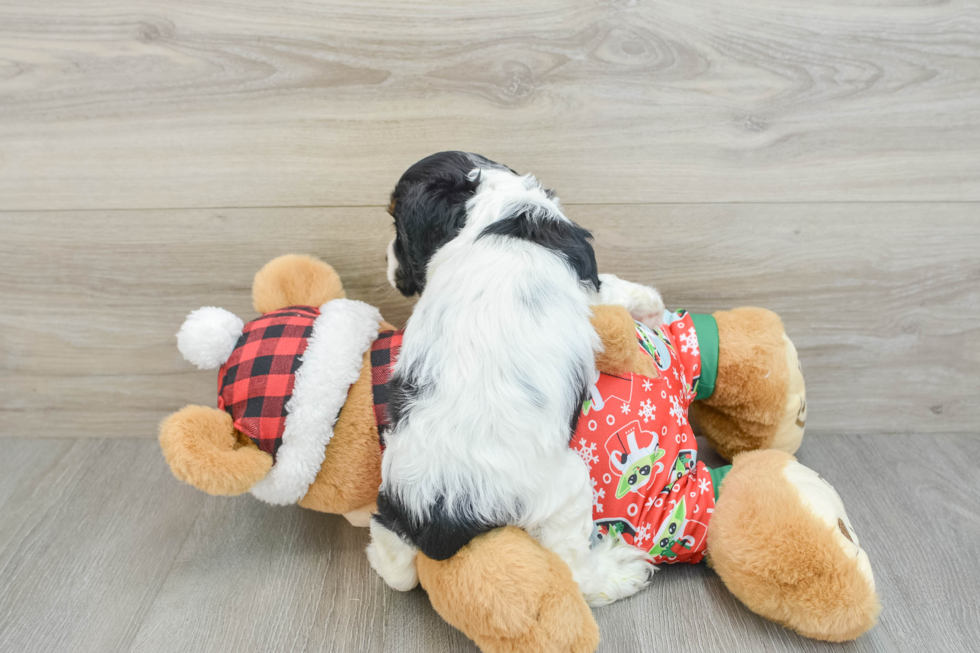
x: 617, y: 571
x: 643, y: 302
x: 392, y: 558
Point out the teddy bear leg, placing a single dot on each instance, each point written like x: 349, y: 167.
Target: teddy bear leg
x: 203, y: 448
x: 509, y: 594
x: 792, y: 423
x: 759, y: 400
x: 782, y: 543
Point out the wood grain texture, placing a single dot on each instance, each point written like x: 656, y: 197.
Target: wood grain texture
x: 88, y: 533
x: 101, y: 550
x: 820, y: 158
x: 882, y: 300
x: 917, y: 514
x: 148, y: 104
x: 253, y: 577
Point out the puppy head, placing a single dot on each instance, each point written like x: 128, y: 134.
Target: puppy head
x: 429, y: 208
x: 445, y: 192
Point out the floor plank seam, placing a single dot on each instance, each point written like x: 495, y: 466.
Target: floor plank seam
x: 293, y: 207
x: 163, y: 579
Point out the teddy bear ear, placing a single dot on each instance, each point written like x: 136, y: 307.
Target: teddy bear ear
x: 295, y: 280
x: 208, y: 336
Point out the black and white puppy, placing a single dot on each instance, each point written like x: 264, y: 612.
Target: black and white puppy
x: 495, y: 362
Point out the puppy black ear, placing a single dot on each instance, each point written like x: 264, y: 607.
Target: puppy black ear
x: 429, y: 206
x: 410, y: 274
x: 571, y: 241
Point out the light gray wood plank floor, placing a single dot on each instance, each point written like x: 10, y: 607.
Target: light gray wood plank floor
x: 102, y: 550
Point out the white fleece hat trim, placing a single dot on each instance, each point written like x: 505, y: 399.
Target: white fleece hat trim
x: 330, y: 364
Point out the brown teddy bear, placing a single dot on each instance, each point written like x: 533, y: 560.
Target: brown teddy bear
x: 302, y: 392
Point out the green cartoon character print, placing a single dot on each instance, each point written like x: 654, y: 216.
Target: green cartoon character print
x: 634, y: 464
x: 593, y: 400
x: 649, y: 488
x: 670, y: 532
x: 685, y: 462
x: 613, y: 528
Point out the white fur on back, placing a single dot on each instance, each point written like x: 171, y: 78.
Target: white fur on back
x: 501, y: 344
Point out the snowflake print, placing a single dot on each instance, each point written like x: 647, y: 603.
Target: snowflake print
x: 587, y: 453
x: 677, y: 411
x: 676, y: 378
x: 647, y: 385
x: 647, y: 411
x: 703, y: 486
x: 625, y: 407
x: 642, y: 534
x: 689, y: 341
x: 596, y: 495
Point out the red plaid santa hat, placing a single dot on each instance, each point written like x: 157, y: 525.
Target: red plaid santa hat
x: 284, y: 378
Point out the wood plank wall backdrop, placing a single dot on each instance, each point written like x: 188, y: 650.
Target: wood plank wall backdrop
x: 820, y: 158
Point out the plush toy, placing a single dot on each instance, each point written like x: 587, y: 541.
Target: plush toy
x: 649, y: 489
x: 302, y: 411
x: 295, y: 385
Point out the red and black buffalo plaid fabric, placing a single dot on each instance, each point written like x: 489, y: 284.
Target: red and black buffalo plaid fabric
x: 256, y: 382
x: 384, y: 353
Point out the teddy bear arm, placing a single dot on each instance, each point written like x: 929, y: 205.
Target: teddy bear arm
x: 203, y: 448
x: 759, y: 397
x: 620, y: 353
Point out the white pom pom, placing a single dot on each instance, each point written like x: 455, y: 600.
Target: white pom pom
x: 208, y: 337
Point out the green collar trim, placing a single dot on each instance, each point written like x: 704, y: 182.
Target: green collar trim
x: 718, y: 475
x: 707, y: 330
